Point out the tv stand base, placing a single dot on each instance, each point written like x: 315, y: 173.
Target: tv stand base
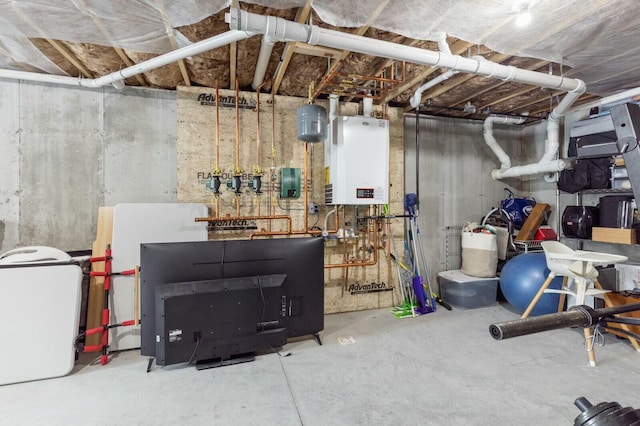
x: 219, y: 362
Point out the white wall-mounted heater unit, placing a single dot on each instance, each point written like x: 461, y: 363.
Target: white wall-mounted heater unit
x: 356, y: 159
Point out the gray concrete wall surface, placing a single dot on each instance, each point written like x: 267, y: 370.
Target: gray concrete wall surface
x: 66, y: 151
x: 454, y: 181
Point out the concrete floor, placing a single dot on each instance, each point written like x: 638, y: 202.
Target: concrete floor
x: 439, y: 369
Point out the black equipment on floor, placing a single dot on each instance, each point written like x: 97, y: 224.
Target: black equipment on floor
x: 222, y: 300
x: 605, y: 414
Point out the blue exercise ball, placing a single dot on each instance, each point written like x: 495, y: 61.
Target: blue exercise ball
x: 522, y: 277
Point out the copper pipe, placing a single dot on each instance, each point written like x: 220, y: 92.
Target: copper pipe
x: 217, y: 131
x: 217, y: 170
x: 273, y: 155
x: 372, y: 261
x: 237, y: 165
x: 306, y: 189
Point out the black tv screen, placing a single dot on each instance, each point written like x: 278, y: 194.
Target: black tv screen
x: 219, y: 321
x: 300, y: 259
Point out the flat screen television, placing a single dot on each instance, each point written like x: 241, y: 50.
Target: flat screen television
x: 219, y: 322
x: 182, y: 263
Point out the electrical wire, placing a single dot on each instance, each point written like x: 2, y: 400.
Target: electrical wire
x: 193, y: 354
x: 264, y: 303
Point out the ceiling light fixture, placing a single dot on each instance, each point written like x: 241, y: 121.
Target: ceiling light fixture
x: 524, y: 17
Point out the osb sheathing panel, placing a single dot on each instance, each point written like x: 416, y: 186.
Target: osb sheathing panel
x: 197, y: 157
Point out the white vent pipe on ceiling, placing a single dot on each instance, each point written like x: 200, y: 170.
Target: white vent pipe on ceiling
x: 282, y: 30
x: 334, y: 101
x: 117, y: 78
x: 627, y: 95
x: 490, y: 140
x: 263, y: 61
x: 548, y: 163
x: 367, y: 107
x: 416, y: 99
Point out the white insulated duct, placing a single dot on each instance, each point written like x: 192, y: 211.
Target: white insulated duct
x: 263, y: 61
x: 117, y: 78
x: 282, y: 30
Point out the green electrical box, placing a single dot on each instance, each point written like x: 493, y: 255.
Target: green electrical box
x: 289, y: 183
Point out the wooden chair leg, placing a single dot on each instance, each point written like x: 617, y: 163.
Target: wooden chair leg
x: 563, y: 296
x: 538, y: 295
x: 590, y: 343
x: 609, y: 304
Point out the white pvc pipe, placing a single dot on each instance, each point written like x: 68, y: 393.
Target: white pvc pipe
x: 333, y: 106
x: 282, y: 30
x: 416, y: 99
x: 627, y: 94
x: 529, y: 169
x: 490, y: 140
x: 117, y: 77
x: 546, y: 164
x: 263, y: 61
x: 367, y: 107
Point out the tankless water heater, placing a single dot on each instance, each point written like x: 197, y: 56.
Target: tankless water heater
x: 357, y: 161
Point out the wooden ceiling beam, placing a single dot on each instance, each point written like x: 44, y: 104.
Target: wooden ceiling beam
x: 129, y: 63
x: 233, y: 59
x: 511, y: 95
x: 289, y: 49
x: 582, y: 99
x: 120, y: 52
x: 69, y: 56
x: 360, y: 31
x: 531, y: 67
x: 174, y: 43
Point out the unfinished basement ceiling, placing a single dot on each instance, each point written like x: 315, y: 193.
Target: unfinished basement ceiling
x: 591, y: 40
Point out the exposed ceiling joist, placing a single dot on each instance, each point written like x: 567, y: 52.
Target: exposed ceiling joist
x: 69, y: 56
x: 128, y: 62
x: 312, y: 50
x: 360, y: 32
x: 511, y: 95
x: 174, y: 44
x: 533, y: 66
x: 120, y: 52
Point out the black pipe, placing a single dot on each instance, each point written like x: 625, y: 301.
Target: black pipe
x: 418, y: 158
x: 577, y: 316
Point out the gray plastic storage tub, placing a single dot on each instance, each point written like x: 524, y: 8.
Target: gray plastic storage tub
x: 467, y: 292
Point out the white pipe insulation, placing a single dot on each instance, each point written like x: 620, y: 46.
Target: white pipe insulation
x: 263, y: 61
x: 282, y: 30
x: 117, y: 78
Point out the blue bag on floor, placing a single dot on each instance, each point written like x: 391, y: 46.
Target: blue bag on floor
x: 518, y: 208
